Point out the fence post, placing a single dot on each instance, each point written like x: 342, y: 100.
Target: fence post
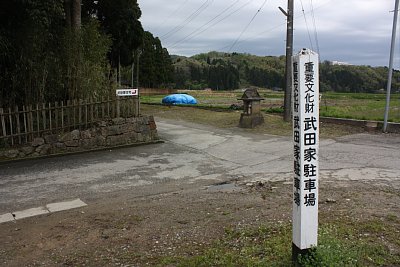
x: 137, y: 106
x: 25, y: 124
x: 3, y: 123
x: 30, y: 122
x: 102, y: 108
x: 11, y: 126
x: 18, y: 124
x: 138, y: 102
x: 86, y: 113
x: 62, y: 116
x: 108, y: 107
x: 44, y: 116
x: 80, y: 122
x: 37, y: 119
x: 93, y: 105
x: 50, y: 120
x: 56, y: 115
x: 74, y: 111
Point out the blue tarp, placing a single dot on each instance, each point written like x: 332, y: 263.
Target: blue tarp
x: 179, y: 99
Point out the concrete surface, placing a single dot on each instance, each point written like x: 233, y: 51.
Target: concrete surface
x: 6, y: 218
x: 192, y: 156
x: 53, y: 207
x: 30, y: 213
x: 66, y: 205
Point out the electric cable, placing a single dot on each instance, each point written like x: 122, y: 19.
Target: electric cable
x: 199, y: 30
x: 270, y: 29
x: 305, y: 19
x: 315, y: 27
x: 171, y: 14
x: 247, y: 26
x: 189, y: 19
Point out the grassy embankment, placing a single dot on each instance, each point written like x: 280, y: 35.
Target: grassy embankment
x: 341, y: 243
x: 339, y: 105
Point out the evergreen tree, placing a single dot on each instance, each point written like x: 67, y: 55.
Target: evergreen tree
x: 155, y: 65
x: 120, y: 20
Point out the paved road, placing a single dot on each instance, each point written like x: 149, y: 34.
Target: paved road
x: 192, y: 155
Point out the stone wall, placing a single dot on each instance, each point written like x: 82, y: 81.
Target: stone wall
x: 112, y: 133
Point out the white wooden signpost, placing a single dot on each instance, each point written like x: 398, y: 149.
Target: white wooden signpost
x: 305, y: 150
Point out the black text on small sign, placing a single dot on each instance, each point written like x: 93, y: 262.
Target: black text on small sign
x: 127, y: 92
x: 305, y: 148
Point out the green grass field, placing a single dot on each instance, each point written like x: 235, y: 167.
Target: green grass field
x: 339, y: 105
x: 359, y: 106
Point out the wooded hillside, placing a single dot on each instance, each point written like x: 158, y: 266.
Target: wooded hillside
x: 224, y: 71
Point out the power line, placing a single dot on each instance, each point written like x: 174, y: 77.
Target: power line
x: 305, y: 19
x: 171, y: 14
x: 199, y: 30
x: 228, y: 15
x: 252, y: 19
x: 257, y: 35
x: 270, y: 29
x: 315, y: 27
x: 189, y: 19
x: 239, y: 40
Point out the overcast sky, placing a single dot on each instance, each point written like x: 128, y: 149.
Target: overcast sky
x: 353, y: 31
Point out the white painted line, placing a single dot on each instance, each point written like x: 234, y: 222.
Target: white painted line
x: 67, y: 205
x: 6, y: 218
x: 30, y: 212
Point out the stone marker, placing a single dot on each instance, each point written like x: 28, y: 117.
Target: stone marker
x: 251, y: 116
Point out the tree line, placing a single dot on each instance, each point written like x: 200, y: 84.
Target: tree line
x: 227, y: 71
x: 53, y: 50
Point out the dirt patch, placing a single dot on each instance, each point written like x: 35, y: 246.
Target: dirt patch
x: 122, y: 230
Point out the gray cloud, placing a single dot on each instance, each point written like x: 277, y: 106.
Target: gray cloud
x: 354, y: 31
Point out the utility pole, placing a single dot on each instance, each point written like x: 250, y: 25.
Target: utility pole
x: 392, y: 47
x: 288, y: 68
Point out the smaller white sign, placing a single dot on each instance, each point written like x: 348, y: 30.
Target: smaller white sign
x: 127, y: 92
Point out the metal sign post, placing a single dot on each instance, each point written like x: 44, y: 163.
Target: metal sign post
x: 129, y: 92
x: 305, y: 108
